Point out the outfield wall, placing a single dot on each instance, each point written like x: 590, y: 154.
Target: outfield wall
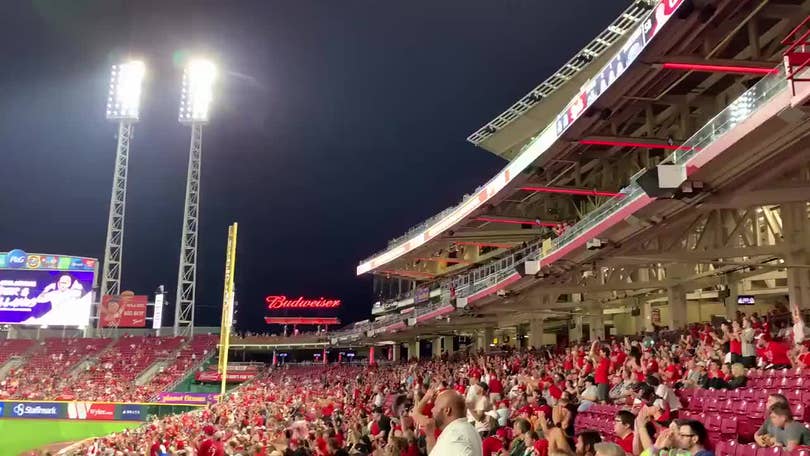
x: 89, y: 411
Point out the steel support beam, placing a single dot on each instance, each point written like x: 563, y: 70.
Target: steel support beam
x: 113, y: 250
x: 187, y: 272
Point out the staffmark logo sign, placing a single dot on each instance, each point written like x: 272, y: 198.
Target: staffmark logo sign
x: 33, y: 410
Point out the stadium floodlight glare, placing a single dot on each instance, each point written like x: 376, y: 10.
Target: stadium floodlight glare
x: 198, y: 91
x: 124, y: 101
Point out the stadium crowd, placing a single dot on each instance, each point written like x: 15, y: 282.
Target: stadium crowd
x: 97, y: 369
x: 636, y: 396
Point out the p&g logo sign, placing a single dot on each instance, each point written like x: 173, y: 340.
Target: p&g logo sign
x: 16, y: 259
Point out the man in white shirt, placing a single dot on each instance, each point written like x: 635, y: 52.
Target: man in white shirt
x: 458, y: 437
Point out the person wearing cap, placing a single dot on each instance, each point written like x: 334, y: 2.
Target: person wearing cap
x: 589, y: 395
x: 696, y: 375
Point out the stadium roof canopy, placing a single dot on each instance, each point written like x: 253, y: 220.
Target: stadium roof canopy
x: 574, y: 148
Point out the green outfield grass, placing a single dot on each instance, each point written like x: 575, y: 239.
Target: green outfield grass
x: 18, y: 435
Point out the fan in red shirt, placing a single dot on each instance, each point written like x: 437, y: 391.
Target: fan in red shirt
x: 601, y: 356
x: 493, y: 444
x: 211, y: 446
x: 778, y: 354
x: 495, y: 387
x: 623, y: 428
x: 159, y: 448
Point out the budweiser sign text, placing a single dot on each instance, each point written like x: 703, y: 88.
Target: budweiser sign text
x: 281, y: 302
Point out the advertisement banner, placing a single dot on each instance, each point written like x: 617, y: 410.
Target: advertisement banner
x: 130, y: 412
x: 38, y: 297
x: 236, y: 368
x: 631, y: 49
x: 421, y: 294
x: 94, y: 411
x: 51, y: 410
x: 187, y: 398
x: 215, y: 377
x: 123, y: 311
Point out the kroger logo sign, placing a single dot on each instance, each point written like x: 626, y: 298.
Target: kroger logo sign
x: 16, y: 258
x: 33, y: 410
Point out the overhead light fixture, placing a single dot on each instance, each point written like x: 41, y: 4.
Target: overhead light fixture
x: 198, y: 91
x: 647, y: 145
x: 570, y: 191
x: 515, y: 222
x: 486, y: 244
x: 735, y: 69
x: 124, y: 100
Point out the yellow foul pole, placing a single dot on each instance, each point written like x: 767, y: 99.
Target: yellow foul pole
x: 227, y: 307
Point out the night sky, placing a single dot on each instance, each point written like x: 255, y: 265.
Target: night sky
x: 337, y: 125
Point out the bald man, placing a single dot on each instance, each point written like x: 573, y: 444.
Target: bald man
x: 458, y: 436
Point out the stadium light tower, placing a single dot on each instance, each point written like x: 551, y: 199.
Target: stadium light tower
x: 195, y: 102
x: 123, y: 106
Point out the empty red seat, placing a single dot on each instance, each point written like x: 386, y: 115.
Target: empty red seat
x: 773, y: 451
x: 748, y: 394
x: 747, y: 450
x: 712, y: 422
x: 799, y: 411
x: 728, y: 427
x: 722, y: 449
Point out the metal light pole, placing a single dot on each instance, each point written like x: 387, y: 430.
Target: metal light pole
x: 123, y: 106
x: 198, y: 82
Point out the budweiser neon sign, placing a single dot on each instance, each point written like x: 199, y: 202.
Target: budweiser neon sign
x: 281, y: 302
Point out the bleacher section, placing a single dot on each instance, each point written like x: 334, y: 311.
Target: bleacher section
x: 110, y: 369
x: 731, y: 416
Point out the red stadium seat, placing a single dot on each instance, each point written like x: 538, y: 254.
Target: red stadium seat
x: 799, y: 411
x: 774, y: 451
x: 747, y: 450
x: 728, y: 426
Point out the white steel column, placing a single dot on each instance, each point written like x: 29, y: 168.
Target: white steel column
x: 187, y: 272
x: 597, y: 323
x: 437, y: 347
x: 676, y: 296
x: 113, y: 250
x: 796, y: 231
x: 536, y: 330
